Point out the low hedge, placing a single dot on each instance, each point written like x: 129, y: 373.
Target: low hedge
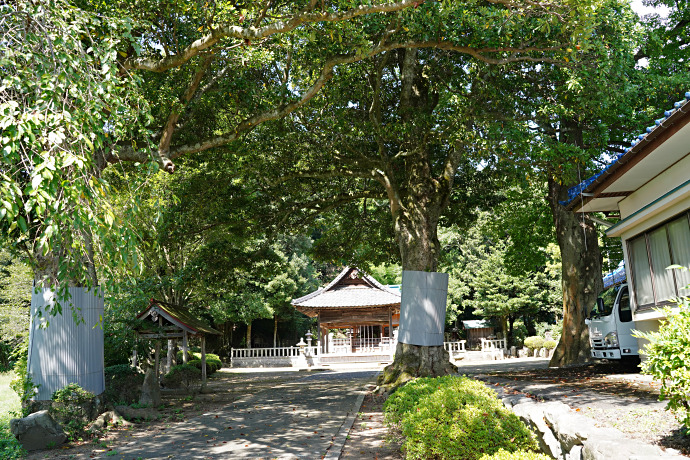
x: 196, y: 356
x: 212, y: 365
x: 185, y: 376
x: 517, y: 455
x: 454, y: 417
x: 550, y: 344
x: 535, y: 342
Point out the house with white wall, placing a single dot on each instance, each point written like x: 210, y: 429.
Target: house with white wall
x: 648, y: 187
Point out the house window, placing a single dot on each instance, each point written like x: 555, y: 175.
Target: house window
x: 651, y: 253
x: 679, y: 237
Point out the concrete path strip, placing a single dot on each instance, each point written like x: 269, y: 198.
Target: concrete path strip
x: 308, y: 418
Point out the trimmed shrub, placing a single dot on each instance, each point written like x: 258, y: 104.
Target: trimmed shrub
x: 668, y: 355
x: 185, y: 376
x: 517, y: 455
x: 212, y: 365
x: 535, y: 342
x: 213, y: 362
x: 122, y: 384
x: 454, y: 417
x: 550, y: 344
x: 73, y: 408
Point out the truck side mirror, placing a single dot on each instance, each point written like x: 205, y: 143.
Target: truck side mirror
x: 600, y: 307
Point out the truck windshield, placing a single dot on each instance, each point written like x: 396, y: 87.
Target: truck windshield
x: 609, y: 297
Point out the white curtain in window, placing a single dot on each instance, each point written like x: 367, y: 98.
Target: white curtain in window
x: 661, y: 258
x: 679, y: 234
x: 642, y: 276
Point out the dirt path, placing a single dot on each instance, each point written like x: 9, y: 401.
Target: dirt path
x: 369, y: 437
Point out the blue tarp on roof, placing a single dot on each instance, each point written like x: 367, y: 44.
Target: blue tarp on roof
x: 615, y: 277
x: 575, y: 191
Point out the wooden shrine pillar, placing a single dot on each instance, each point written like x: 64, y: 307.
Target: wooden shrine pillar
x: 203, y: 361
x: 157, y: 359
x: 135, y: 358
x: 184, y: 347
x: 318, y: 338
x: 323, y: 333
x: 169, y: 361
x: 156, y: 365
x: 390, y: 323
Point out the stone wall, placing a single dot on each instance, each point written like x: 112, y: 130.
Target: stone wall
x: 566, y: 435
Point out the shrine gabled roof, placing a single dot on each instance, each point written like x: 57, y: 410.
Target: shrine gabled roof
x: 352, y: 288
x: 179, y: 316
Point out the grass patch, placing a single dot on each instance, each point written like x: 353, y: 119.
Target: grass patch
x: 10, y: 407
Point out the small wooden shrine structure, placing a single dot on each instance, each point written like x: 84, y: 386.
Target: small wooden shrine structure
x: 354, y: 301
x: 173, y: 322
x: 478, y: 329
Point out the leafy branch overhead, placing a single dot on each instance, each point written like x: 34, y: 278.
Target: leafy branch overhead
x: 269, y: 60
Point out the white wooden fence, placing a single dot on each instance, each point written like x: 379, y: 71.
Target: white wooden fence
x: 455, y: 348
x: 360, y: 345
x: 494, y: 348
x: 275, y: 352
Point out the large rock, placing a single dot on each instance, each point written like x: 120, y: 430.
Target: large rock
x: 38, y: 431
x: 532, y: 413
x: 598, y: 448
x: 137, y: 413
x: 150, y: 390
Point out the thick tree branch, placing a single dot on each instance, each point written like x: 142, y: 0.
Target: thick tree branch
x: 258, y: 33
x: 166, y: 136
x: 127, y: 153
x: 327, y: 72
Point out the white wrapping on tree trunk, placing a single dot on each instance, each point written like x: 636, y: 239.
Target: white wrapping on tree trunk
x: 65, y: 352
x: 423, y: 308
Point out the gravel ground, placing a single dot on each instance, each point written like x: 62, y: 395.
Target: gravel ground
x: 612, y: 395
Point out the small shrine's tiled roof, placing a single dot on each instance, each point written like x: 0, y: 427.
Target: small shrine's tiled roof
x: 651, y: 132
x: 179, y: 316
x: 350, y: 289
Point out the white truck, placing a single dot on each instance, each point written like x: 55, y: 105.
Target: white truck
x: 611, y: 323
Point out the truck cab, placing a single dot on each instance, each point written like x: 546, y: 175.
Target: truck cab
x: 611, y: 324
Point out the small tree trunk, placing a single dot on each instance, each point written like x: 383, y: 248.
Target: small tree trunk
x: 504, y: 328
x: 578, y: 240
x: 275, y: 331
x: 249, y: 334
x: 511, y: 333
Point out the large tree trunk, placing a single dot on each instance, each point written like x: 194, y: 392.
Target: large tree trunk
x: 418, y: 242
x: 417, y: 198
x: 581, y: 272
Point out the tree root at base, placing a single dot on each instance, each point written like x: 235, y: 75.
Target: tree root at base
x: 412, y: 361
